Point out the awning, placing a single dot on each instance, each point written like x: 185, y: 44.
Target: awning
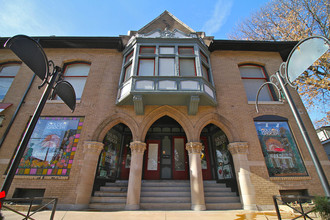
x: 4, y: 106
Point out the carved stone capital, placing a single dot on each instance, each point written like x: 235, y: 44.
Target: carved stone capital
x: 194, y: 147
x: 138, y: 147
x: 238, y: 148
x: 93, y: 147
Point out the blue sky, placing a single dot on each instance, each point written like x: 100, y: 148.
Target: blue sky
x: 117, y: 17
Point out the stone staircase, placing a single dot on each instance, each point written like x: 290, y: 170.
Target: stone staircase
x: 164, y: 195
x: 111, y: 197
x: 219, y: 197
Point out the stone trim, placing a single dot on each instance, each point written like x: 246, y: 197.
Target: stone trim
x: 238, y: 148
x: 92, y: 147
x: 290, y: 178
x: 194, y: 147
x: 138, y: 146
x: 39, y: 177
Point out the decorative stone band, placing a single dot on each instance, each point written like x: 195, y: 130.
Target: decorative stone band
x: 238, y: 148
x: 194, y: 147
x: 138, y: 146
x: 93, y: 147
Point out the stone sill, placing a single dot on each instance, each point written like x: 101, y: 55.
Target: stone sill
x: 266, y: 103
x: 39, y: 177
x: 290, y: 178
x: 59, y: 102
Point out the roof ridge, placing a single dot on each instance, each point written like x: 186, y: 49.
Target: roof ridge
x: 171, y: 15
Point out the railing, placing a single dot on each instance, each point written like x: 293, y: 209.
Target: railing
x: 297, y: 205
x: 7, y: 204
x: 166, y: 84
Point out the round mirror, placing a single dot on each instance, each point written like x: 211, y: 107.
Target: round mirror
x: 31, y: 53
x: 304, y: 54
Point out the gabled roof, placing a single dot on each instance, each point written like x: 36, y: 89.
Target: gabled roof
x: 166, y: 21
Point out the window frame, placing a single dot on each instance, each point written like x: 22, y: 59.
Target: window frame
x: 265, y: 78
x: 138, y: 71
x: 133, y: 55
x: 5, y: 64
x: 275, y: 136
x: 64, y: 77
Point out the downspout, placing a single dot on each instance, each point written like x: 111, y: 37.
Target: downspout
x: 16, y: 112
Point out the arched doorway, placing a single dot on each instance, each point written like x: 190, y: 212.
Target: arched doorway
x: 217, y: 162
x: 165, y: 156
x: 114, y: 160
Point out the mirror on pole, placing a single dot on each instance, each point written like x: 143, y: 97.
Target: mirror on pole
x: 31, y: 53
x: 305, y: 53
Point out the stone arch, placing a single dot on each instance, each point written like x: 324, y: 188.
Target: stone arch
x: 225, y: 125
x: 167, y: 111
x: 113, y: 120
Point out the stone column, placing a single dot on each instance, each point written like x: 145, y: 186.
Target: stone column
x: 135, y: 175
x: 196, y: 178
x: 239, y: 151
x: 91, y: 151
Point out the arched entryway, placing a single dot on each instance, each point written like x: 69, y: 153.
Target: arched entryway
x: 114, y: 160
x: 165, y: 156
x: 217, y: 161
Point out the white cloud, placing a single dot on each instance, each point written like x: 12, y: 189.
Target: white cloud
x: 222, y: 10
x: 26, y: 17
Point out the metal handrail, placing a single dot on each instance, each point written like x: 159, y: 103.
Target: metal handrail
x: 298, y: 199
x: 30, y: 201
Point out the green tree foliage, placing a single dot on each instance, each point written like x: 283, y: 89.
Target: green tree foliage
x: 293, y: 20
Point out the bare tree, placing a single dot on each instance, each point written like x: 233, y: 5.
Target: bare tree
x: 293, y: 20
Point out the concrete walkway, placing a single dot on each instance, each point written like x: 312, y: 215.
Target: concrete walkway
x: 155, y: 215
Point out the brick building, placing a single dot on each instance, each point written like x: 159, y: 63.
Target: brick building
x: 165, y: 119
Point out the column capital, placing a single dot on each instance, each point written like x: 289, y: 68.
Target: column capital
x: 138, y: 146
x: 194, y: 147
x: 238, y: 148
x: 93, y: 146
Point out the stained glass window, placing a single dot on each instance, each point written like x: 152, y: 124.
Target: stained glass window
x: 280, y: 150
x: 52, y: 147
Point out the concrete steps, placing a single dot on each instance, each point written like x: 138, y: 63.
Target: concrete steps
x: 219, y: 197
x: 111, y: 197
x: 165, y: 195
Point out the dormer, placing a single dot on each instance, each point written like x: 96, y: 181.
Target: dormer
x: 166, y: 63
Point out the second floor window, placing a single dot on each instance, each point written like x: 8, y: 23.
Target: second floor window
x: 76, y: 74
x: 8, y: 72
x: 253, y: 77
x: 167, y: 61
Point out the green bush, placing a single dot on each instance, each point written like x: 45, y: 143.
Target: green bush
x: 322, y: 206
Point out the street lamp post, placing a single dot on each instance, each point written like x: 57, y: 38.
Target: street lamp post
x: 303, y: 55
x: 32, y: 54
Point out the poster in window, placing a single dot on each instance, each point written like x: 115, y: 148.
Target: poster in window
x: 279, y: 149
x: 109, y: 160
x: 223, y: 157
x: 52, y: 146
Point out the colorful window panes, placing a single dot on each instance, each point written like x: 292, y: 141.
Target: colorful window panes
x: 280, y: 150
x: 50, y: 151
x: 109, y: 158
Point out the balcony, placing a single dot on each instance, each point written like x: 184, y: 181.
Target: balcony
x: 166, y: 90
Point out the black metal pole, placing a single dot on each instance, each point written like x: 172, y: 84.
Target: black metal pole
x: 315, y: 159
x: 28, y: 132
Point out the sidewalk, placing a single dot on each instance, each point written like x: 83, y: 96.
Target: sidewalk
x: 155, y: 215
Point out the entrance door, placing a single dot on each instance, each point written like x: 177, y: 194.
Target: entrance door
x: 205, y: 158
x: 180, y: 159
x: 152, y: 161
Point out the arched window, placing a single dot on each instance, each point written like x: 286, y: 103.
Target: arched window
x: 76, y: 73
x: 8, y: 72
x: 253, y: 77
